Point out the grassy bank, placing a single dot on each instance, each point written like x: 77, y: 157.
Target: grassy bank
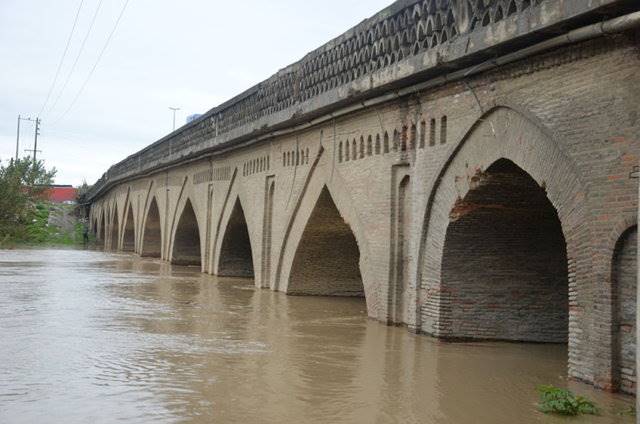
x: 49, y: 225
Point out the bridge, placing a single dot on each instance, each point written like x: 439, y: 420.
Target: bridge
x: 468, y: 167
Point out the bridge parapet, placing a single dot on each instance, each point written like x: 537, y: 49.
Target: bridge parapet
x: 409, y: 41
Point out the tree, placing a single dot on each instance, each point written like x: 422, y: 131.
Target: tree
x: 23, y: 183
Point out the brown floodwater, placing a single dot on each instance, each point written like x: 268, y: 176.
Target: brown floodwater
x: 88, y: 336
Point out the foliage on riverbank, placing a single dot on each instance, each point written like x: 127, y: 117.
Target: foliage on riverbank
x: 564, y: 402
x: 24, y: 210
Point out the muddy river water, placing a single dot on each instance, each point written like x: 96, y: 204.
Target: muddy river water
x: 93, y: 337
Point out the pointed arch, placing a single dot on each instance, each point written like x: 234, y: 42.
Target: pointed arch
x: 504, y: 133
x: 115, y: 227
x: 504, y: 265
x: 186, y: 242
x: 314, y: 185
x: 235, y: 257
x: 102, y: 229
x: 624, y: 293
x: 152, y: 231
x: 327, y: 259
x: 129, y: 237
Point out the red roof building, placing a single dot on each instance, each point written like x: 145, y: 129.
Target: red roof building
x: 62, y: 194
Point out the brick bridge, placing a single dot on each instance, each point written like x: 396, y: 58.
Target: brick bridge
x: 469, y: 167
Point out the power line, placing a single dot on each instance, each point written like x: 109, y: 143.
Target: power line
x: 75, y: 62
x: 95, y: 65
x: 64, y: 54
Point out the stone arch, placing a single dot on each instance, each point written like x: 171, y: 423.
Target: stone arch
x: 186, y: 240
x: 152, y: 231
x: 624, y: 281
x: 503, y: 133
x: 327, y: 259
x: 129, y: 237
x: 235, y: 258
x: 115, y: 226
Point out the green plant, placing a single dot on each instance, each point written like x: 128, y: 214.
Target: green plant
x: 23, y: 183
x: 564, y: 402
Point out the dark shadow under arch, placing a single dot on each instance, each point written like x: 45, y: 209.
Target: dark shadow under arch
x: 236, y: 259
x: 128, y: 239
x: 114, y: 230
x: 624, y: 280
x: 151, y: 233
x: 186, y: 245
x: 327, y: 260
x: 103, y: 231
x: 504, y: 266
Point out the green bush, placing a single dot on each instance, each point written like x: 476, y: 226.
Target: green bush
x: 564, y: 402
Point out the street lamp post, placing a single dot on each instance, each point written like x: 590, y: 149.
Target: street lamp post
x: 174, y: 109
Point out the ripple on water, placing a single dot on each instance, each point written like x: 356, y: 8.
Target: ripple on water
x: 97, y: 337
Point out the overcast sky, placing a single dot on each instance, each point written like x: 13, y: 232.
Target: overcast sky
x: 192, y: 54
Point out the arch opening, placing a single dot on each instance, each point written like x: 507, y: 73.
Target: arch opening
x: 152, y: 236
x: 504, y: 266
x: 128, y: 239
x: 624, y: 279
x: 114, y: 230
x: 102, y: 232
x: 186, y: 245
x: 236, y: 259
x: 326, y: 262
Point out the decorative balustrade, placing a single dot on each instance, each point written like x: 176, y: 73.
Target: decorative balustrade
x: 404, y: 29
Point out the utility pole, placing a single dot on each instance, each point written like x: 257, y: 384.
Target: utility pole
x: 35, y: 141
x: 20, y: 118
x: 174, y: 109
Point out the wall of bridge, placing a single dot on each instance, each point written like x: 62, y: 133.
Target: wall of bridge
x: 411, y: 183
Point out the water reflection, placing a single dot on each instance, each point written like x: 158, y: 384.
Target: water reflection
x: 89, y: 336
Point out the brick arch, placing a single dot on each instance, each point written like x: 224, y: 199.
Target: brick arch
x: 236, y: 253
x: 185, y: 231
x: 321, y: 181
x: 129, y: 227
x: 623, y: 279
x: 102, y: 227
x: 151, y: 230
x: 114, y: 232
x: 185, y: 197
x: 235, y: 196
x: 503, y: 133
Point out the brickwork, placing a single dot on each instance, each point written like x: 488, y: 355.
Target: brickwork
x: 186, y: 245
x: 128, y: 238
x: 152, y: 239
x: 445, y: 245
x: 236, y: 258
x: 624, y: 280
x: 504, y: 270
x: 327, y: 261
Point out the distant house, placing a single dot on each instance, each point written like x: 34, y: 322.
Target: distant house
x: 62, y: 194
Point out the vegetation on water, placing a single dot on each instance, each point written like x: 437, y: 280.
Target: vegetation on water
x: 24, y: 209
x: 564, y: 402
